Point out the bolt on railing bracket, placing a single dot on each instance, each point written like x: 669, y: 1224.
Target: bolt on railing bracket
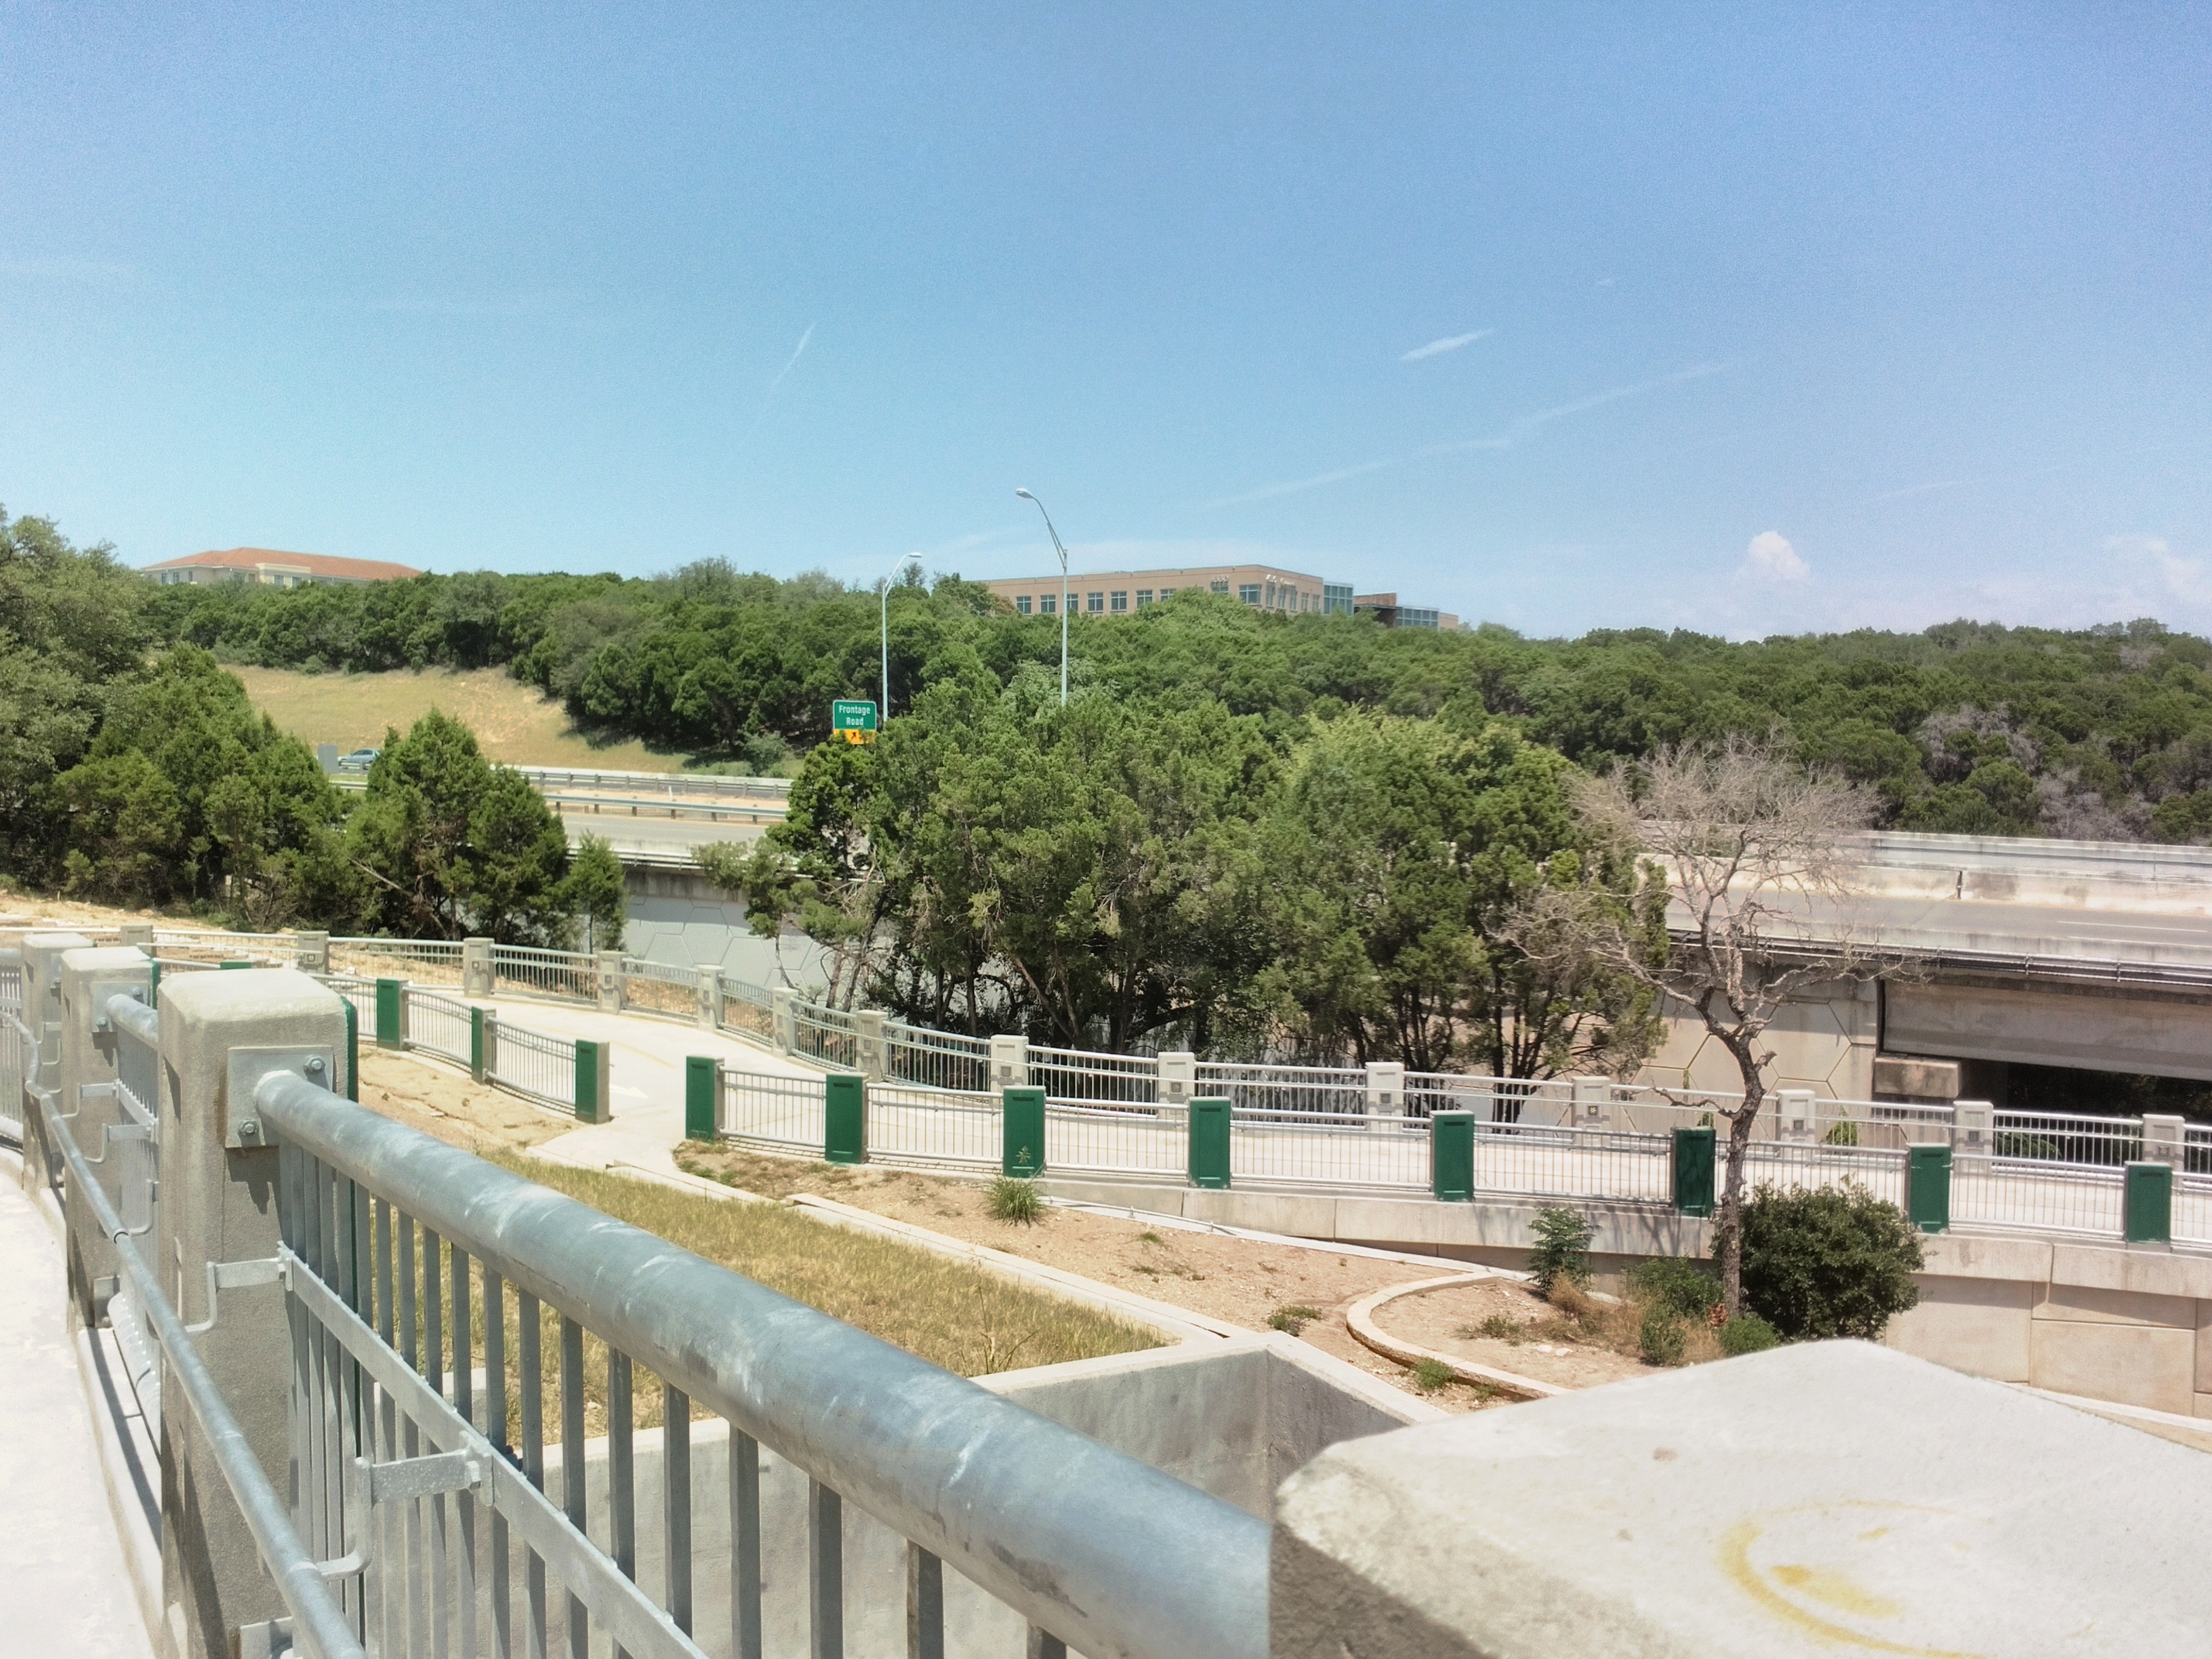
x: 242, y: 1116
x: 238, y: 1276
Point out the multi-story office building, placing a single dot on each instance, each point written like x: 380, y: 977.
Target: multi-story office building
x: 272, y: 568
x: 1120, y: 593
x: 1386, y: 609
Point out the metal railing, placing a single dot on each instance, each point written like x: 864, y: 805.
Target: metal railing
x: 440, y: 1025
x: 533, y: 1064
x: 936, y: 1060
x: 1114, y: 1142
x: 19, y: 1067
x: 933, y: 1126
x: 829, y: 1034
x: 1316, y: 1091
x: 1080, y: 1076
x: 531, y: 968
x: 777, y: 1112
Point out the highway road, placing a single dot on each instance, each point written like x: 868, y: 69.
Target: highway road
x: 662, y: 840
x: 2005, y: 928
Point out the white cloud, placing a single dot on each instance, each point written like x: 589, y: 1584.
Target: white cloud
x: 1450, y: 343
x: 2183, y: 577
x: 1770, y: 556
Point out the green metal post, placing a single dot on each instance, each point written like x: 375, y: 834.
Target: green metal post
x: 1451, y: 1156
x: 1927, y: 1188
x: 1021, y: 1115
x: 1693, y: 1171
x: 353, y: 1050
x: 247, y: 963
x: 590, y: 1108
x: 702, y: 1085
x: 388, y: 992
x: 1209, y: 1143
x: 845, y: 1118
x: 2147, y: 1217
x: 476, y: 1042
x: 153, y: 981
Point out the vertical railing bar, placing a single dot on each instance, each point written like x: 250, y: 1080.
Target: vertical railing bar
x: 825, y: 1572
x: 744, y: 1546
x: 924, y: 1604
x: 330, y: 1362
x: 495, y: 1430
x: 314, y: 1496
x: 410, y: 1443
x: 391, y: 1572
x: 465, y: 1504
x: 531, y: 1361
x: 289, y: 1220
x: 436, y: 1562
x: 675, y: 1501
x: 621, y: 1473
x: 359, y: 1389
x: 572, y: 1467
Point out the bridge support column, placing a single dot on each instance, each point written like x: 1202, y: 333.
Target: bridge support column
x: 219, y: 1177
x: 476, y: 967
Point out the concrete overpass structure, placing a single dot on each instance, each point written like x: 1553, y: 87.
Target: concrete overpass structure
x: 2091, y: 956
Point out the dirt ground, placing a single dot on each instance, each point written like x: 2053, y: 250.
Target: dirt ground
x: 1545, y: 1346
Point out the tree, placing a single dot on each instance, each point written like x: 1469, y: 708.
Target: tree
x: 1820, y: 1262
x: 1750, y: 845
x: 595, y: 890
x: 451, y: 845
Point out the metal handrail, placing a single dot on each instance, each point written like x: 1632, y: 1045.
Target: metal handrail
x: 1110, y: 1555
x: 317, y: 1618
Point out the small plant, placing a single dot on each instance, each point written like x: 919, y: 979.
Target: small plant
x: 1683, y: 1288
x: 1501, y: 1328
x: 1659, y: 1338
x: 1845, y: 1133
x: 1148, y: 1237
x: 1562, y: 1251
x: 1825, y: 1262
x: 1015, y: 1201
x: 1748, y: 1334
x: 1571, y: 1299
x: 1293, y: 1318
x: 1431, y: 1375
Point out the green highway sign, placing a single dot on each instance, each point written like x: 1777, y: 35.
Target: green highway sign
x: 851, y: 718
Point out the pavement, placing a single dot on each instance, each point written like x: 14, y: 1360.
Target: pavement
x: 64, y: 1587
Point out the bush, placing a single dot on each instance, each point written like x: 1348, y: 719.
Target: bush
x: 1845, y: 1133
x: 1748, y: 1334
x: 1014, y: 1200
x: 1431, y: 1375
x: 1562, y: 1249
x: 1660, y: 1338
x: 1683, y: 1288
x: 1827, y: 1261
x: 1293, y: 1318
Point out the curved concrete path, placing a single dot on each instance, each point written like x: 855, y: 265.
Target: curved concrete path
x: 64, y: 1588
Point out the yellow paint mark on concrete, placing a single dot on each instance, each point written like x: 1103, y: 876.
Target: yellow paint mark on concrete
x: 1830, y: 1589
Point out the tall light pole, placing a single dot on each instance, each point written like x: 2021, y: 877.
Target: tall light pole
x: 1054, y: 534
x: 911, y: 558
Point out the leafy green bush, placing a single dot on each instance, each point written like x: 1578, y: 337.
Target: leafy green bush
x: 1827, y: 1262
x: 1562, y: 1249
x: 1845, y: 1133
x: 1431, y: 1375
x: 1659, y: 1338
x: 1683, y: 1288
x: 1748, y: 1334
x: 1014, y: 1200
x: 1292, y: 1318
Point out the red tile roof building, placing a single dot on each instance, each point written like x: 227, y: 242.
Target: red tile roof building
x: 274, y: 568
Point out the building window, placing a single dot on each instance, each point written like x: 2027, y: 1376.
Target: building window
x: 1144, y: 598
x: 1094, y: 603
x: 1122, y: 601
x: 1167, y: 593
x: 1250, y: 592
x: 1221, y: 587
x: 1021, y: 605
x: 1049, y: 604
x: 1290, y: 599
x: 1337, y: 601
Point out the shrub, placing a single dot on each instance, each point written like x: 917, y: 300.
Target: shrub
x: 1502, y: 1327
x: 1014, y: 1200
x: 1659, y: 1338
x: 1747, y: 1333
x: 1431, y: 1375
x: 1293, y: 1318
x: 1562, y: 1249
x: 1683, y: 1288
x: 1845, y: 1133
x: 1827, y: 1261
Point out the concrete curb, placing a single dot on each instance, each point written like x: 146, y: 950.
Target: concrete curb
x: 1360, y: 1317
x: 130, y: 1468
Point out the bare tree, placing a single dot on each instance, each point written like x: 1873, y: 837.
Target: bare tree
x: 1751, y: 848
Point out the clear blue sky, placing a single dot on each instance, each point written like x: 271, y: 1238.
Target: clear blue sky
x: 1750, y: 320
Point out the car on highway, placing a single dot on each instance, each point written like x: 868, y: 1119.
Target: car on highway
x: 360, y: 761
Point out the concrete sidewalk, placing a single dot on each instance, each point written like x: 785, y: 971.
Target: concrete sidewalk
x: 62, y: 1584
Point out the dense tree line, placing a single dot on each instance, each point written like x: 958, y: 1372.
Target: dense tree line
x: 135, y: 775
x: 2105, y: 733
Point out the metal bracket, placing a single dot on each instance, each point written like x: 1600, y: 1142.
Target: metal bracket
x: 271, y: 1640
x: 242, y: 1125
x: 236, y: 1276
x: 400, y: 1480
x: 102, y: 989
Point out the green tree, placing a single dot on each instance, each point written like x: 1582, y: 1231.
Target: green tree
x: 595, y: 891
x: 451, y: 845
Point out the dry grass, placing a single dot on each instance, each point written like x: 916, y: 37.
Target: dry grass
x: 514, y: 723
x: 1616, y: 1325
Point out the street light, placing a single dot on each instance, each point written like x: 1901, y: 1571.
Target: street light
x: 1054, y: 534
x: 911, y: 558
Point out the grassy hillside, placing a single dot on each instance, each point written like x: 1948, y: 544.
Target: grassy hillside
x: 515, y: 723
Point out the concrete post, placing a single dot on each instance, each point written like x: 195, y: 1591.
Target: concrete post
x: 783, y: 1017
x: 89, y: 977
x: 326, y: 757
x: 1178, y: 1084
x: 311, y: 951
x: 710, y: 999
x: 1386, y: 1090
x: 476, y: 967
x: 870, y: 1022
x: 1593, y: 1102
x: 139, y: 935
x: 612, y: 985
x: 219, y: 1180
x: 1796, y: 1114
x: 42, y: 1014
x: 1010, y: 1061
x: 2162, y: 1138
x: 1974, y: 1134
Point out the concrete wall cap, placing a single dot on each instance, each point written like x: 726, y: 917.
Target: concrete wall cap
x: 104, y: 958
x: 260, y: 993
x: 2153, y: 1271
x: 1820, y: 1498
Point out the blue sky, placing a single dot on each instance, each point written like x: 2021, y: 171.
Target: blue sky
x: 1751, y: 320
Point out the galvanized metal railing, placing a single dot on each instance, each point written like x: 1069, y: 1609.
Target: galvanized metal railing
x: 18, y: 1065
x: 440, y: 1025
x: 534, y: 1064
x: 936, y: 1060
x: 393, y: 1243
x: 781, y: 1113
